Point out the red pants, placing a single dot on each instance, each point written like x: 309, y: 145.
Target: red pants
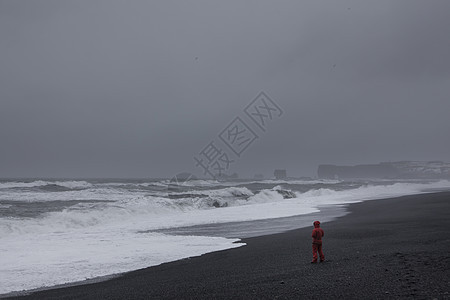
x: 317, y: 248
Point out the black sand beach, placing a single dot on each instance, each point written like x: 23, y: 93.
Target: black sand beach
x: 393, y: 248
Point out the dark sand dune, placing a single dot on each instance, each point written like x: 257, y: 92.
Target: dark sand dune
x: 393, y: 248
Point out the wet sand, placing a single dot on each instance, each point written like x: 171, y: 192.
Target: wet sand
x: 392, y: 248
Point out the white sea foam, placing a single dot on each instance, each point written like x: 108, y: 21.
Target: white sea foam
x: 55, y: 258
x: 369, y: 192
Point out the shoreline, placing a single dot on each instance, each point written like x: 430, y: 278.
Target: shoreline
x: 226, y: 230
x: 140, y: 279
x: 255, y: 228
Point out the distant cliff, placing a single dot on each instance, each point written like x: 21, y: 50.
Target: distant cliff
x: 388, y: 170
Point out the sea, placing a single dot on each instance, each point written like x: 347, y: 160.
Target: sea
x: 56, y: 232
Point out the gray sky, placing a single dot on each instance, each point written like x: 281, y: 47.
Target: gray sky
x: 137, y: 88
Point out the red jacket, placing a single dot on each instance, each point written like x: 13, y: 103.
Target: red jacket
x: 317, y: 233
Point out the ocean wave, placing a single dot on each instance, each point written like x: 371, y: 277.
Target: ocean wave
x: 42, y: 183
x: 191, y: 182
x: 299, y: 182
x: 231, y: 196
x: 131, y: 184
x: 221, y: 205
x: 224, y: 192
x: 287, y: 194
x: 123, y: 207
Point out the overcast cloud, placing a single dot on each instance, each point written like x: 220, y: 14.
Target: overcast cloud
x: 137, y: 88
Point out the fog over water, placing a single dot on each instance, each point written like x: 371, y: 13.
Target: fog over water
x: 138, y: 88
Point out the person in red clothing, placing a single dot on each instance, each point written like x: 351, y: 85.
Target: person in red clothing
x: 317, y: 235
